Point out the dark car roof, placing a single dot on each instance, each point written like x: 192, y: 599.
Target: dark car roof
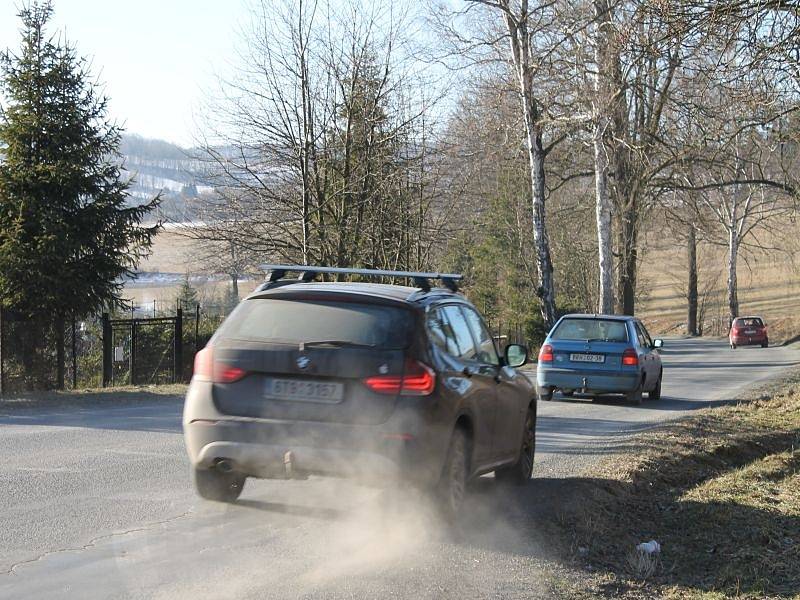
x: 397, y: 293
x: 598, y: 316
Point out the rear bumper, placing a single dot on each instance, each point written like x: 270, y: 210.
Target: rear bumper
x: 746, y: 340
x: 276, y: 449
x: 587, y: 380
x: 275, y: 461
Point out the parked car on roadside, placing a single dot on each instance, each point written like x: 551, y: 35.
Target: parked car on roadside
x: 600, y: 354
x: 748, y: 331
x: 367, y: 380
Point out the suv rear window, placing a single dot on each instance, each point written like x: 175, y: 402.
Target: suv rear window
x: 295, y: 321
x: 748, y: 322
x: 605, y: 330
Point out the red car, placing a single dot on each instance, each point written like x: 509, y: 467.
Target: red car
x: 747, y: 331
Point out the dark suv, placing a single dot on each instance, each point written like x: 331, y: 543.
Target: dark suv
x: 357, y: 379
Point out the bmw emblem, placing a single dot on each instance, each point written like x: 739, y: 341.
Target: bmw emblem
x: 303, y: 362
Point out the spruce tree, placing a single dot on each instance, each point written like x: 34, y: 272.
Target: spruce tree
x: 67, y: 233
x: 187, y: 295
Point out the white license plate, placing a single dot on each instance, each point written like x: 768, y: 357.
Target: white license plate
x: 590, y: 358
x: 303, y: 390
x: 750, y: 331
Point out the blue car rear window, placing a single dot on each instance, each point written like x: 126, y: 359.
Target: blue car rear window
x: 602, y: 330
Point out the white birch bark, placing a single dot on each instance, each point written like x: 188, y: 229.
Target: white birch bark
x: 602, y: 199
x: 520, y: 50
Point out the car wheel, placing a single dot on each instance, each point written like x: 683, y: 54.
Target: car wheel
x: 545, y: 393
x: 733, y: 346
x: 452, y: 485
x: 218, y: 486
x: 655, y: 393
x: 765, y: 344
x: 521, y: 471
x: 635, y: 396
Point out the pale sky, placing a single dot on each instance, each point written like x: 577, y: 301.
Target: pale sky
x: 156, y: 57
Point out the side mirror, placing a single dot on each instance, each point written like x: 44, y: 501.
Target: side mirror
x: 658, y: 343
x: 516, y: 355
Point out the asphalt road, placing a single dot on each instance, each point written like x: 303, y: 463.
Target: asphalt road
x: 97, y: 503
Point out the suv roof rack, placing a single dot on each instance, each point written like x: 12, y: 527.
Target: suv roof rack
x: 309, y: 273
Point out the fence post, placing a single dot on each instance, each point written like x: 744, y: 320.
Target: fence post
x: 61, y: 359
x: 196, y: 325
x: 107, y: 351
x: 2, y: 372
x: 132, y: 367
x: 74, y: 356
x: 177, y: 373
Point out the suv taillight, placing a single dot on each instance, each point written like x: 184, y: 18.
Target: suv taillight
x: 630, y: 358
x: 418, y: 379
x: 206, y: 369
x: 546, y: 353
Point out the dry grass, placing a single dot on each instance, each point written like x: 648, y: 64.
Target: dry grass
x: 769, y: 285
x: 719, y: 490
x: 174, y: 253
x: 90, y: 397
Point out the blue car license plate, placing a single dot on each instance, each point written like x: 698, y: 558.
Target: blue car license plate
x: 588, y: 358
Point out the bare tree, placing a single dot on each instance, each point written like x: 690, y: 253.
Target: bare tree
x: 321, y: 147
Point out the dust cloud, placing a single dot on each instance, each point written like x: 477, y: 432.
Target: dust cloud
x: 330, y: 538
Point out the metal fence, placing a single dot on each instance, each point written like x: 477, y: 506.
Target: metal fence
x: 102, y: 350
x: 147, y: 350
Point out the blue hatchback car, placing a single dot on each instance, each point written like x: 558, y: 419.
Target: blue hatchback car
x: 600, y: 354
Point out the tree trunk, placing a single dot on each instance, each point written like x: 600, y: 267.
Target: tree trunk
x: 601, y: 124
x: 628, y: 274
x: 733, y: 295
x: 235, y: 286
x: 544, y: 265
x: 521, y: 52
x: 603, y: 212
x: 691, y: 295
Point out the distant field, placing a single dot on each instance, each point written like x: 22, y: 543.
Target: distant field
x: 769, y: 285
x: 175, y: 256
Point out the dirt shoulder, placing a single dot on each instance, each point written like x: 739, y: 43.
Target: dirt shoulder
x: 118, y: 396
x: 719, y: 491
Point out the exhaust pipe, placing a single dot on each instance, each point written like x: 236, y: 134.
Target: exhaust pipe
x: 224, y: 465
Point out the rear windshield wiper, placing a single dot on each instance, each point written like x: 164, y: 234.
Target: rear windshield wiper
x: 338, y: 344
x: 604, y: 340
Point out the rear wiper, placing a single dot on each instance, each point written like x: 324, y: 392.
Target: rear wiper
x: 338, y: 344
x: 601, y: 340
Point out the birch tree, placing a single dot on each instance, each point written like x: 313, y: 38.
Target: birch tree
x: 603, y: 92
x: 530, y: 34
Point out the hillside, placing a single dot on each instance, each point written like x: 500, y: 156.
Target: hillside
x: 161, y: 167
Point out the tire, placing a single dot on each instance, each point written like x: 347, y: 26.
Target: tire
x: 452, y: 486
x: 765, y: 344
x: 545, y: 393
x: 521, y: 471
x: 635, y: 397
x: 215, y: 485
x: 655, y: 393
x: 733, y: 346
